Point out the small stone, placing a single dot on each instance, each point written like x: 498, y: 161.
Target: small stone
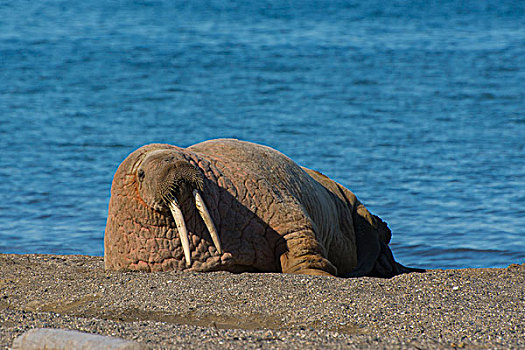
x: 41, y: 338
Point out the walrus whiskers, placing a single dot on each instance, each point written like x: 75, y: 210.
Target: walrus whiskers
x: 181, y: 227
x: 205, y: 214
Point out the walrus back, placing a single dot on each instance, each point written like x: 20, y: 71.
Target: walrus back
x: 297, y: 191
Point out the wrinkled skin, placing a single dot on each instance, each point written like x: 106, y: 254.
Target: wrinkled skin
x: 271, y: 215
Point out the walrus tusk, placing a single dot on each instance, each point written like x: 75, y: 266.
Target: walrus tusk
x: 205, y: 214
x: 181, y: 227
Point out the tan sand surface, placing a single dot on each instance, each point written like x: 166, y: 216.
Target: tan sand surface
x: 467, y: 308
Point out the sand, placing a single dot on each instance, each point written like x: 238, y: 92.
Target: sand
x: 466, y: 308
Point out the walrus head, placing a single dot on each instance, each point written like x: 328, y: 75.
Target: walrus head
x: 164, y: 176
x: 165, y: 179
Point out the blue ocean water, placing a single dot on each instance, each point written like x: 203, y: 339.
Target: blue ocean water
x: 417, y: 106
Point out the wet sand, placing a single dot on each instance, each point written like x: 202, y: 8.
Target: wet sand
x: 467, y: 308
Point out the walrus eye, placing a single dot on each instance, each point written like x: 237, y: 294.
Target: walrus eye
x: 140, y: 175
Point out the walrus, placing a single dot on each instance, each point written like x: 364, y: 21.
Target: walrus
x: 241, y: 207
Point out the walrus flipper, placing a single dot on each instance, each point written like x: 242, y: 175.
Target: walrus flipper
x: 387, y: 267
x: 374, y: 257
x: 368, y: 242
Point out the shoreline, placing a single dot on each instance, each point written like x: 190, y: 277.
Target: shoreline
x: 464, y: 308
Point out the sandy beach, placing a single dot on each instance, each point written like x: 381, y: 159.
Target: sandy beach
x: 467, y: 308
